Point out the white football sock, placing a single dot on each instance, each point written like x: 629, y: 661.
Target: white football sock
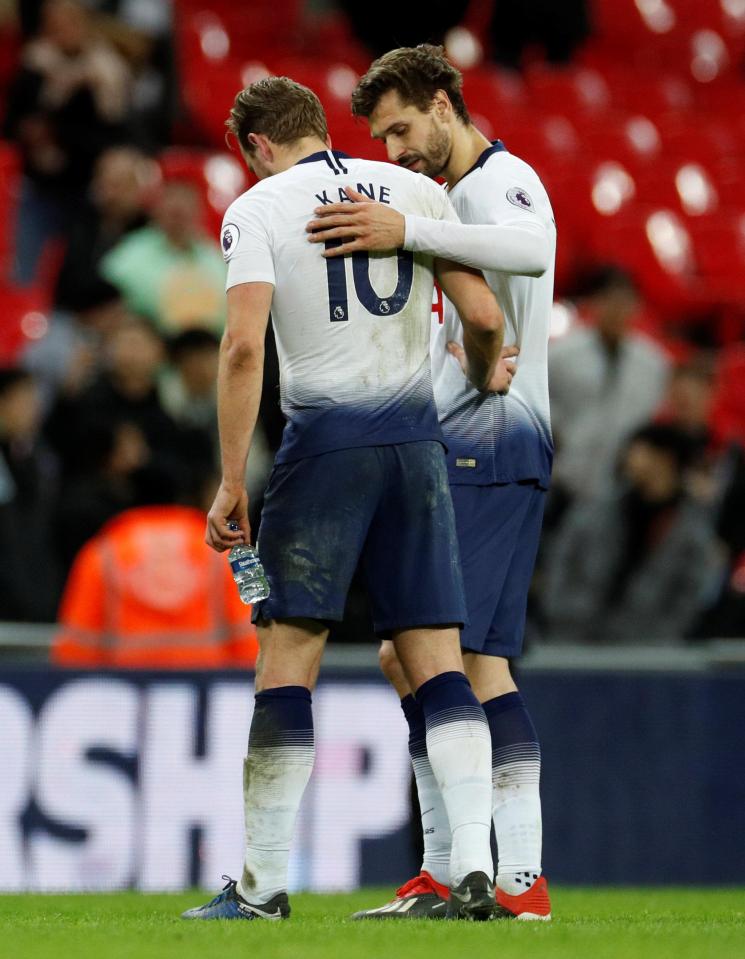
x: 435, y: 824
x: 459, y: 751
x: 275, y: 774
x: 516, y: 772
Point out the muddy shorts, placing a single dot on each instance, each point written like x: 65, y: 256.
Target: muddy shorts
x: 386, y: 507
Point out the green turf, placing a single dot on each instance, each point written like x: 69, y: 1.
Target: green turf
x: 596, y: 923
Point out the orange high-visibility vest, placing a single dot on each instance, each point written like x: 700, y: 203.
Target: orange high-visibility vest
x: 147, y: 592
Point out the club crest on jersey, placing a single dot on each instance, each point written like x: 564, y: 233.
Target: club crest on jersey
x: 229, y: 239
x: 518, y: 197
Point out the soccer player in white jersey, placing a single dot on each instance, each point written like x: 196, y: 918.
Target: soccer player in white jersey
x: 360, y: 476
x: 500, y: 447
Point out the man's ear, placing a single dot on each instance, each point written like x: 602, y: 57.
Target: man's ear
x: 328, y: 140
x: 262, y: 145
x: 441, y: 104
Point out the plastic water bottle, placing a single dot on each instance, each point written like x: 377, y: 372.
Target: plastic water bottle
x: 248, y: 572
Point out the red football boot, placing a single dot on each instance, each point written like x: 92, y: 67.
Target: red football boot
x: 531, y: 904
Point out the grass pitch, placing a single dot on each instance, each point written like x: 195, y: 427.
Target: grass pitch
x: 596, y: 923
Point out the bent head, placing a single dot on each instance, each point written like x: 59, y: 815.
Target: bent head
x: 272, y: 120
x: 412, y: 98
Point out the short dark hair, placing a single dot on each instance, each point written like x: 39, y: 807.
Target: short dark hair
x: 12, y: 376
x: 604, y: 278
x: 667, y: 438
x: 278, y: 107
x: 416, y: 74
x: 194, y: 340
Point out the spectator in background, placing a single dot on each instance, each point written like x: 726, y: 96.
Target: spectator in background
x: 605, y: 381
x: 29, y: 576
x: 169, y: 271
x: 188, y: 391
x: 639, y: 565
x: 398, y: 24
x: 143, y: 31
x: 69, y: 357
x: 718, y: 481
x: 116, y: 206
x: 520, y: 27
x: 113, y: 461
x: 67, y: 104
x: 147, y: 593
x: 127, y: 391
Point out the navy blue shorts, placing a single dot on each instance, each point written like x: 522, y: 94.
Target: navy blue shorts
x: 388, y: 506
x: 499, y: 528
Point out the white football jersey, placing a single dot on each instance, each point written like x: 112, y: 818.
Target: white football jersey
x: 500, y: 439
x: 352, y: 333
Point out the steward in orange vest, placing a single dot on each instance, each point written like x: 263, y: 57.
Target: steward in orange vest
x: 146, y: 592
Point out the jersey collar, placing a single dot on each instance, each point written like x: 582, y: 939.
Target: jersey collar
x: 496, y: 147
x: 333, y: 158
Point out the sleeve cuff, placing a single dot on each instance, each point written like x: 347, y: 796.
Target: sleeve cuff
x: 247, y: 277
x: 410, y: 232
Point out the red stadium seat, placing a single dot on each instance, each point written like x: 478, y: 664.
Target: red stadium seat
x: 495, y: 96
x: 655, y: 245
x: 719, y: 250
x: 219, y: 177
x: 633, y: 140
x: 572, y: 89
x: 268, y: 25
x: 23, y: 318
x: 729, y: 406
x: 10, y: 45
x: 10, y: 185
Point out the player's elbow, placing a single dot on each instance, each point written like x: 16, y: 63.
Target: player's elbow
x: 539, y: 263
x: 484, y: 316
x: 538, y: 253
x: 240, y: 350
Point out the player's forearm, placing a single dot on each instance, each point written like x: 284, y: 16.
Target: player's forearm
x: 239, y: 383
x: 483, y: 351
x: 522, y: 249
x: 480, y: 315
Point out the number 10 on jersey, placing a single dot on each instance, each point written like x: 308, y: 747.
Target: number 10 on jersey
x: 378, y: 306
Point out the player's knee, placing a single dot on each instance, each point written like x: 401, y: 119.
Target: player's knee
x: 490, y: 676
x: 390, y: 664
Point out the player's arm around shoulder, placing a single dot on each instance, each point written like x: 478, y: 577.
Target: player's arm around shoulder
x: 367, y: 225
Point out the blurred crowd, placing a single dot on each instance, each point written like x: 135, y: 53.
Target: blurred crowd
x: 114, y: 409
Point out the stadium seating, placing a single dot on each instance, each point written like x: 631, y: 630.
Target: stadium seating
x: 23, y: 318
x: 219, y: 177
x: 10, y: 184
x: 729, y: 406
x: 640, y: 141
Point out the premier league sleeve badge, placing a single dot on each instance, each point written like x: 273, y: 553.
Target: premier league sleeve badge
x: 229, y: 239
x: 519, y: 198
